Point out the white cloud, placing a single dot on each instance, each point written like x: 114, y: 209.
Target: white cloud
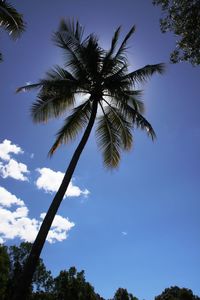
x: 6, y: 147
x: 50, y: 181
x: 32, y: 155
x: 59, y: 228
x: 17, y: 224
x: 14, y: 170
x: 124, y: 233
x: 7, y: 199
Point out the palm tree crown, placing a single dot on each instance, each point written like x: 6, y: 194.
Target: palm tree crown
x: 102, y: 78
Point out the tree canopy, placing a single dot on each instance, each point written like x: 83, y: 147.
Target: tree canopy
x: 123, y: 294
x: 176, y: 293
x: 183, y: 19
x: 67, y: 285
x: 12, y: 260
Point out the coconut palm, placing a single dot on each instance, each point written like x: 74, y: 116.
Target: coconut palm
x: 11, y: 20
x: 101, y: 79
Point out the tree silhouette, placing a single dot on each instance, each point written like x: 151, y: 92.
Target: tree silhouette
x: 102, y: 80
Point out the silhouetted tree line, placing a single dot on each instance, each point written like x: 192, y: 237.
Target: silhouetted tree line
x: 68, y: 285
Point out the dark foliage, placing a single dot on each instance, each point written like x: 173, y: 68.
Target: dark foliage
x: 183, y: 19
x: 11, y: 20
x: 176, y: 293
x: 68, y: 285
x: 12, y: 260
x: 122, y: 294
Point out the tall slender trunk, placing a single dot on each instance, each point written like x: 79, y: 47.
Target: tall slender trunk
x: 26, y: 278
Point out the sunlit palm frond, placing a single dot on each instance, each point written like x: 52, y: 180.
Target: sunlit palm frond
x: 134, y: 100
x: 108, y: 140
x: 115, y: 73
x: 52, y: 103
x: 72, y: 126
x: 121, y: 124
x: 29, y: 87
x: 121, y: 98
x: 130, y: 97
x: 11, y: 20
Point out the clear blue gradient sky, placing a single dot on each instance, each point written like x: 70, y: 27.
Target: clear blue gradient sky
x: 139, y: 226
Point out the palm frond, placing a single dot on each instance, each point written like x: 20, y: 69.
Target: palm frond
x: 141, y: 75
x: 121, y: 98
x: 52, y: 102
x: 108, y: 139
x: 55, y: 77
x: 108, y: 60
x: 115, y: 72
x: 114, y: 42
x: 143, y: 124
x: 132, y: 98
x: 72, y: 126
x: 121, y: 124
x: 72, y: 50
x: 90, y: 55
x: 58, y: 73
x: 11, y: 20
x: 73, y: 28
x: 120, y: 55
x: 29, y: 87
x: 136, y: 118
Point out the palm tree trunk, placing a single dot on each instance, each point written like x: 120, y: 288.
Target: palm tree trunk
x: 29, y: 269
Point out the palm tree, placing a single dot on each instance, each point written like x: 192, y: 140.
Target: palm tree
x: 102, y: 79
x: 11, y: 20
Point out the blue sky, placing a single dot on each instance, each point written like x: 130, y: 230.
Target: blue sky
x: 136, y: 227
